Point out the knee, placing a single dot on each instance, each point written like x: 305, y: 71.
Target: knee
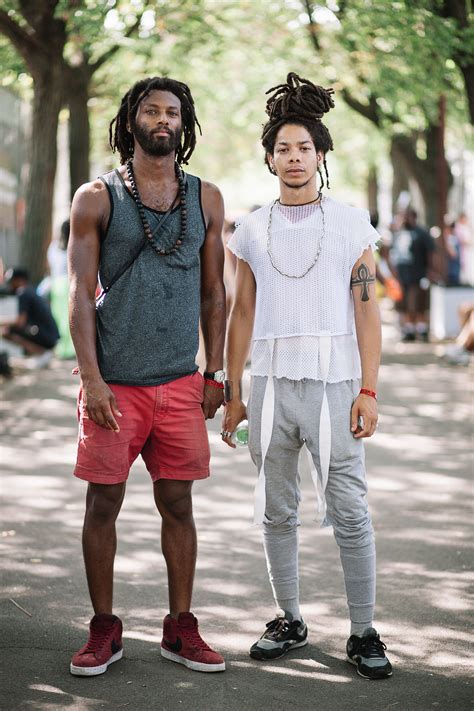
x: 103, y: 505
x: 353, y: 532
x: 176, y: 509
x: 281, y: 528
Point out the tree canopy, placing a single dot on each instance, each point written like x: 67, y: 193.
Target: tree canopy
x: 389, y: 62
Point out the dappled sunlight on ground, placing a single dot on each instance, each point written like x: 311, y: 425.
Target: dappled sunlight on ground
x: 419, y: 472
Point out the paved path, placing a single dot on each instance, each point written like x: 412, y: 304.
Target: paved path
x: 421, y: 499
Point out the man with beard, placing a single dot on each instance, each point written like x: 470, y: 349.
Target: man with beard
x: 153, y: 235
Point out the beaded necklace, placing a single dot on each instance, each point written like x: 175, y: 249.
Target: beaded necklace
x: 141, y: 210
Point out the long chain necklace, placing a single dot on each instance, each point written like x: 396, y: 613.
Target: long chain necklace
x: 146, y: 225
x: 269, y: 241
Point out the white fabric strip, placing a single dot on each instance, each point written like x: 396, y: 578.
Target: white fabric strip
x: 320, y: 482
x: 266, y: 429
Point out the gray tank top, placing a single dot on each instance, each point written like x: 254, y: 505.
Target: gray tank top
x: 148, y: 323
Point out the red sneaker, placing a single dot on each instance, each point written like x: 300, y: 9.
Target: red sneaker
x: 103, y: 647
x: 182, y: 643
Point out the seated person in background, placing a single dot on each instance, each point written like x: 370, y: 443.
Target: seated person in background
x: 34, y: 329
x: 459, y: 353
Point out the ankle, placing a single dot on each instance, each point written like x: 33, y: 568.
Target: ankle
x: 358, y: 628
x: 290, y: 606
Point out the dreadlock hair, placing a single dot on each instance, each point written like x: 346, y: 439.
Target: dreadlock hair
x: 301, y: 102
x: 121, y: 139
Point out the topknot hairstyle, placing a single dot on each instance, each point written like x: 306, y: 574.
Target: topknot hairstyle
x: 301, y: 102
x: 122, y: 140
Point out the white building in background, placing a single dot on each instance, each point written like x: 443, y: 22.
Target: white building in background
x: 14, y: 121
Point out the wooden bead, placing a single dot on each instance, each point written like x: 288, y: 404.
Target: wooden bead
x: 141, y: 210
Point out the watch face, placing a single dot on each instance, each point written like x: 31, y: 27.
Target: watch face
x: 219, y: 376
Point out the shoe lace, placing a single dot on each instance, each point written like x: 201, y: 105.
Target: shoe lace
x: 372, y: 646
x: 97, y: 638
x: 194, y: 638
x: 278, y: 625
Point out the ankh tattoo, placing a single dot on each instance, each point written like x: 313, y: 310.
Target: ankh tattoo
x: 364, y: 278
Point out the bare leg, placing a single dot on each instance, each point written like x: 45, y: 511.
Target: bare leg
x: 411, y: 313
x: 465, y: 338
x: 99, y: 542
x: 30, y: 347
x: 178, y: 540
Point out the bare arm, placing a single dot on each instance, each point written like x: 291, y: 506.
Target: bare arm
x: 238, y: 344
x: 89, y: 211
x: 213, y: 306
x: 19, y: 322
x: 367, y: 321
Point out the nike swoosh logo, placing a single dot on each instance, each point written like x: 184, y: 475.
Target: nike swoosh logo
x: 174, y: 646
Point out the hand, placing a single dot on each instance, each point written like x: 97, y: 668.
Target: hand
x: 364, y: 407
x: 212, y: 400
x: 100, y: 404
x: 234, y: 412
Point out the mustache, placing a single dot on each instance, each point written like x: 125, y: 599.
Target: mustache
x: 162, y: 130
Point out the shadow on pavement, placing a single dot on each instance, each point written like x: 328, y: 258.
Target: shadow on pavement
x: 420, y: 493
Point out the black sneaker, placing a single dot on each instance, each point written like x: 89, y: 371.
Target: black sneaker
x: 367, y: 653
x: 282, y: 634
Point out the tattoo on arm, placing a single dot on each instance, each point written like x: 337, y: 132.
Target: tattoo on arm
x: 363, y: 278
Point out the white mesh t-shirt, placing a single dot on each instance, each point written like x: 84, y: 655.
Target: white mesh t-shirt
x: 295, y: 312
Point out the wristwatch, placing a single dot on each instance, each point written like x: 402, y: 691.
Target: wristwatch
x: 218, y: 376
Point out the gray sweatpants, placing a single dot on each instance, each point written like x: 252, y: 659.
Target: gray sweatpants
x: 296, y: 421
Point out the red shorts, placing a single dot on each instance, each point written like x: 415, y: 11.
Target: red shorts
x: 163, y: 423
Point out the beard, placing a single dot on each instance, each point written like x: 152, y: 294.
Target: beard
x: 292, y: 186
x: 155, y: 145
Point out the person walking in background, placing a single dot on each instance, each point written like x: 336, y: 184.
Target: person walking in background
x: 34, y: 329
x: 463, y: 234
x: 153, y: 233
x: 411, y: 255
x: 59, y: 290
x: 305, y: 285
x: 453, y: 249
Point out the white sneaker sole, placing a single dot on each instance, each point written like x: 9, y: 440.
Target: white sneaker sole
x: 94, y: 671
x: 195, y: 666
x: 363, y: 676
x: 282, y: 650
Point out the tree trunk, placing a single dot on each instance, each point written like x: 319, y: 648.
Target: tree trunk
x: 40, y: 190
x: 77, y: 95
x: 400, y: 178
x: 468, y: 75
x: 373, y: 192
x: 423, y: 171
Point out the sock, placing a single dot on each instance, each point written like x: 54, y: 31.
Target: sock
x: 281, y: 551
x: 292, y: 606
x: 358, y: 629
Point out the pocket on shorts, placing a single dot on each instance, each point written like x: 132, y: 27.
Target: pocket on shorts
x: 198, y: 381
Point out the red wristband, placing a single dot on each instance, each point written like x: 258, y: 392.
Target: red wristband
x: 214, y: 383
x: 370, y: 393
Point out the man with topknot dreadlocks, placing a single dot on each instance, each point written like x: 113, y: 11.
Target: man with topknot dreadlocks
x: 153, y: 234
x: 305, y: 289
